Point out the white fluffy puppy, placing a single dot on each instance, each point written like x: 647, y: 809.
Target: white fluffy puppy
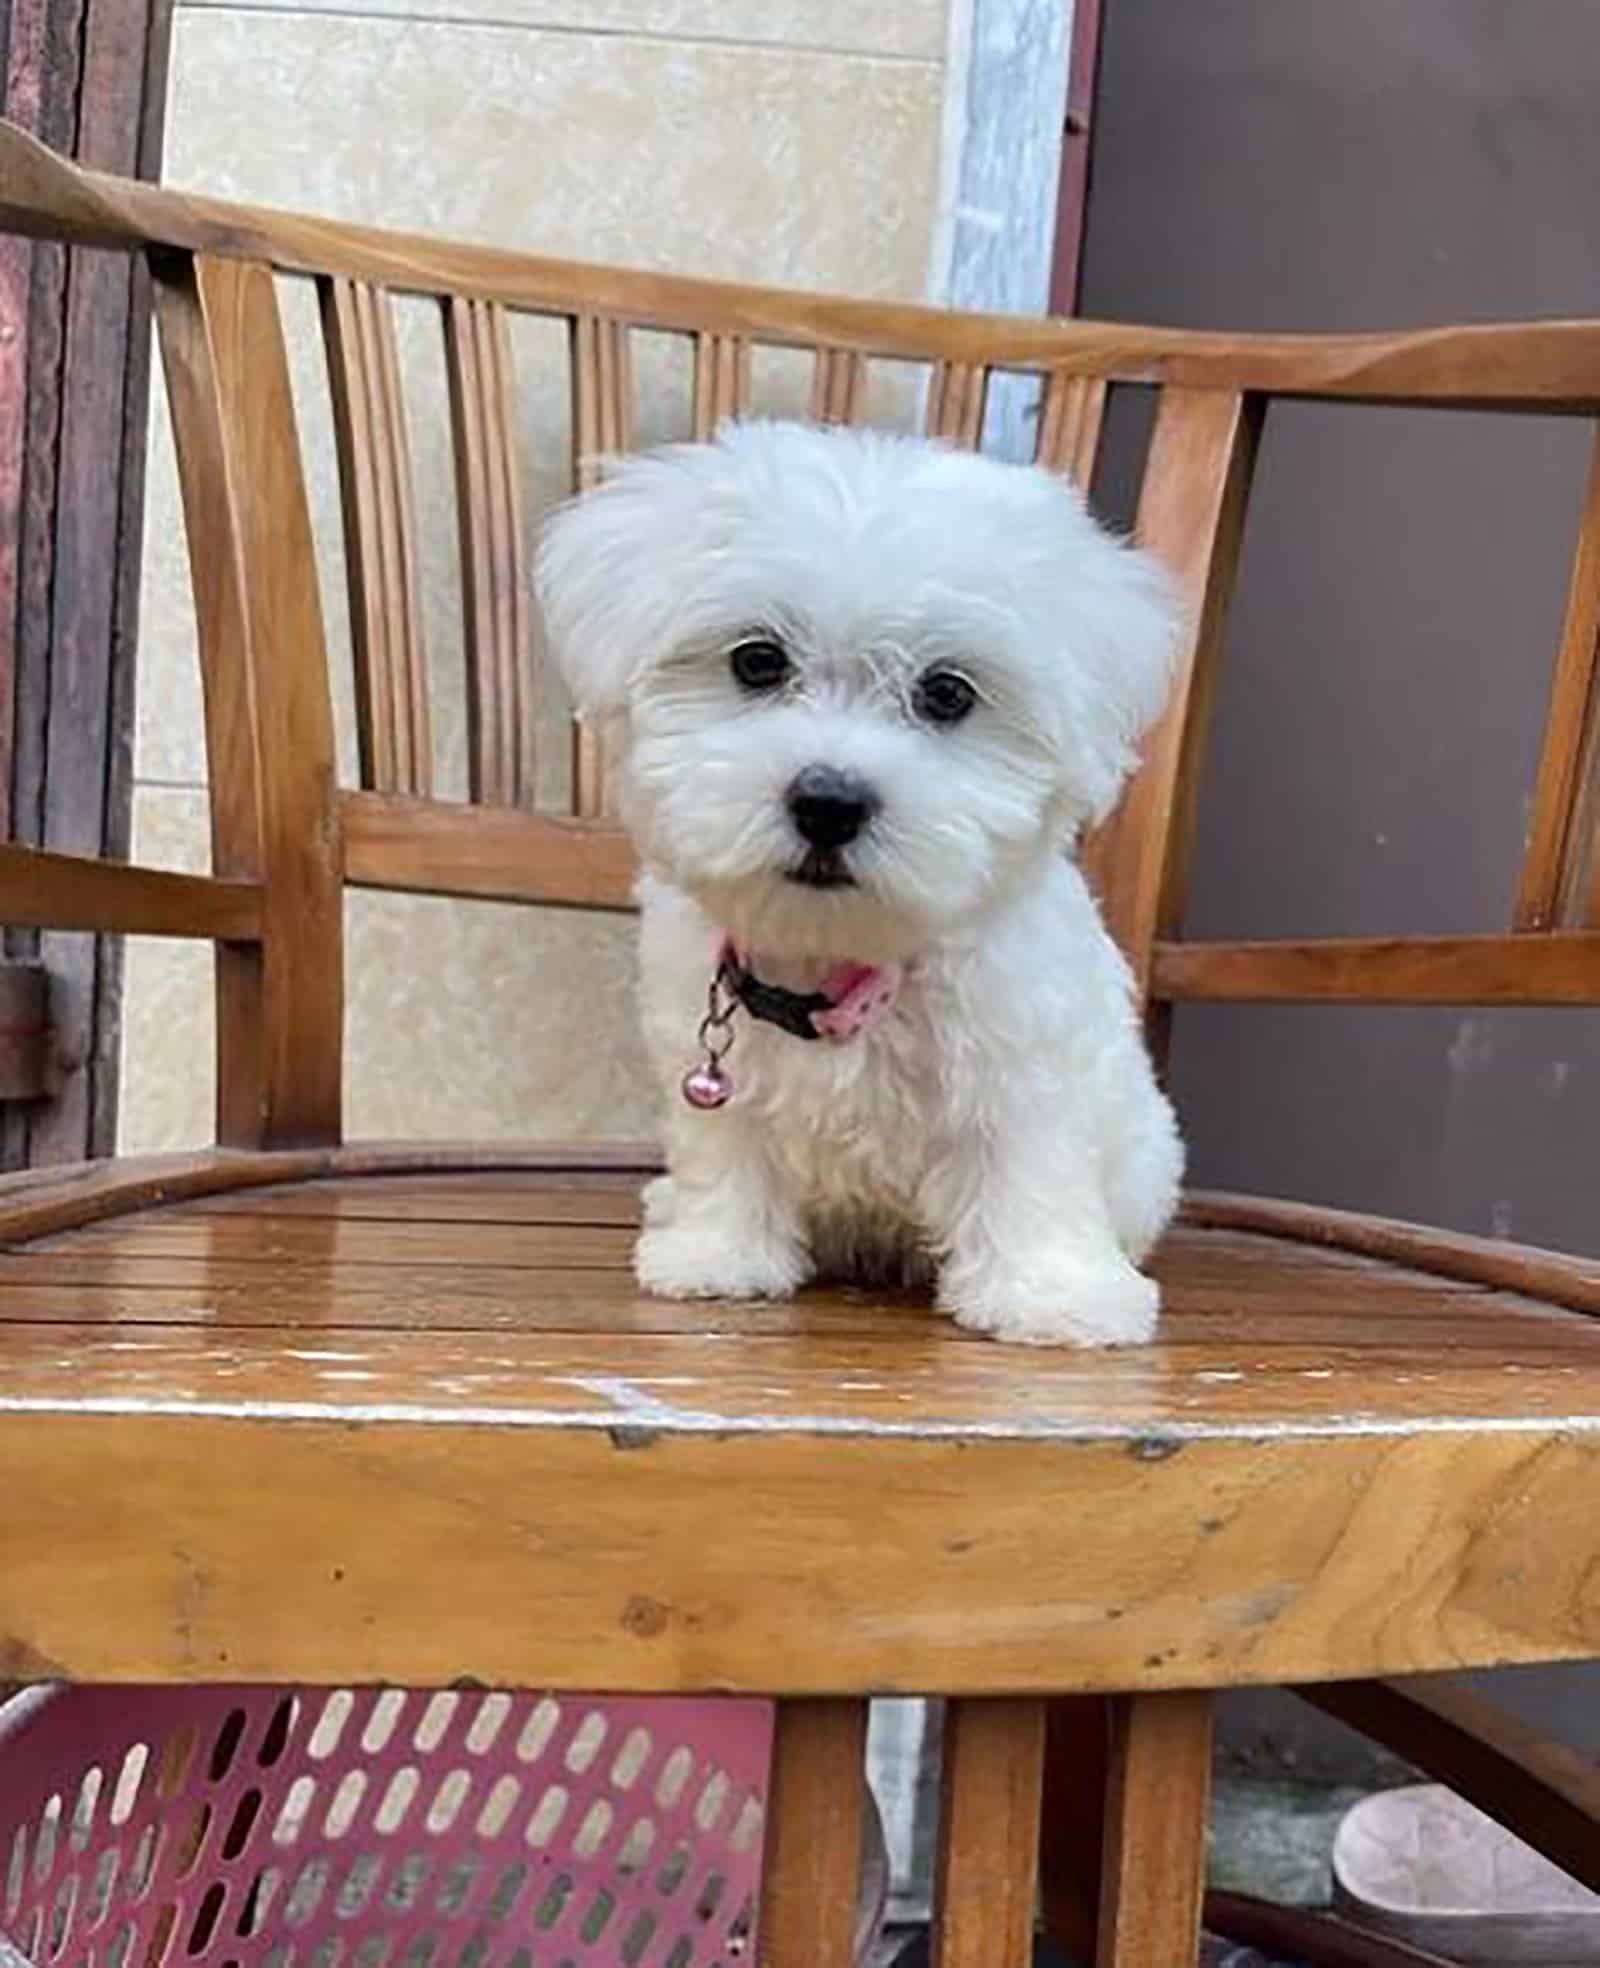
x: 863, y: 693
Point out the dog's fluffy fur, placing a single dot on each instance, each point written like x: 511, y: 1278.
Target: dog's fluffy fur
x: 1004, y: 1122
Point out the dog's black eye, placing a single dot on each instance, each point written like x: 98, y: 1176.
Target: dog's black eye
x: 943, y: 696
x: 759, y: 664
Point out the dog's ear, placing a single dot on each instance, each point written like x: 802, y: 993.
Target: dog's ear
x: 1114, y: 618
x: 1135, y: 620
x: 597, y: 577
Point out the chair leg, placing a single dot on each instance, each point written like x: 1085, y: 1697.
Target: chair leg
x: 1155, y: 1840
x: 811, y: 1876
x: 985, y: 1893
x: 1077, y: 1768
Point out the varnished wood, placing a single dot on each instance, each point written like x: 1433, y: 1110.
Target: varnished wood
x: 381, y: 557
x: 64, y: 891
x: 602, y: 405
x: 689, y: 1575
x: 838, y: 386
x: 602, y: 427
x: 1544, y: 1791
x: 815, y: 1806
x: 344, y: 1275
x: 1568, y: 1281
x: 264, y: 662
x: 822, y: 1497
x: 1191, y: 512
x: 1548, y: 365
x: 987, y: 1869
x: 222, y: 624
x: 1289, y: 1306
x: 494, y: 579
x: 497, y: 853
x: 296, y: 1241
x: 1560, y: 873
x: 1070, y: 415
x: 453, y: 1354
x: 721, y: 381
x: 1556, y: 969
x: 43, y: 1202
x: 1319, y: 1940
x: 956, y: 399
x: 1155, y: 1845
x: 480, y: 1196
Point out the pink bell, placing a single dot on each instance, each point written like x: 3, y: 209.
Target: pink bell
x: 707, y: 1086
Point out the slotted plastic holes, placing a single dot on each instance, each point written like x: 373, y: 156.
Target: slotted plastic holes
x: 337, y: 1828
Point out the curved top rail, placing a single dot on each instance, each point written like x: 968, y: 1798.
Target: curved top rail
x: 1543, y: 365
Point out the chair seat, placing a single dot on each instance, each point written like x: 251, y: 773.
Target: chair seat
x: 424, y: 1426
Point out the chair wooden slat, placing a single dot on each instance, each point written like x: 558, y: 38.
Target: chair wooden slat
x: 988, y: 1862
x: 1560, y: 968
x: 269, y: 716
x: 494, y: 578
x: 721, y: 381
x: 41, y: 890
x: 1155, y: 1842
x: 1070, y: 416
x: 815, y: 1805
x: 956, y: 398
x: 1561, y: 870
x: 602, y: 427
x: 497, y: 853
x: 602, y: 395
x: 838, y: 386
x: 380, y: 524
x: 1191, y: 512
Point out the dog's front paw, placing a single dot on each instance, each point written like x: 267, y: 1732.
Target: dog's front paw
x: 675, y: 1260
x: 1060, y: 1304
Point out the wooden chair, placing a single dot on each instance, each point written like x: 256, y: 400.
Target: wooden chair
x: 1358, y: 1451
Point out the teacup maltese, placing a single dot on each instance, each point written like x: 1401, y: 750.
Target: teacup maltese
x: 863, y: 694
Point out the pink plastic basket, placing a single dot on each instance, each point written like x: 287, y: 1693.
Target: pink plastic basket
x: 312, y: 1828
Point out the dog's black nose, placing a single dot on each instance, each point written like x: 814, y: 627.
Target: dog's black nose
x: 829, y: 807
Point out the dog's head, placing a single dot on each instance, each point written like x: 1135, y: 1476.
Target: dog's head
x: 858, y: 686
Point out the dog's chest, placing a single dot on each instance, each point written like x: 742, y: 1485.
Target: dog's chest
x: 851, y: 1125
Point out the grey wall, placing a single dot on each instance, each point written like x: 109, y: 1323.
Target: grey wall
x: 1286, y: 164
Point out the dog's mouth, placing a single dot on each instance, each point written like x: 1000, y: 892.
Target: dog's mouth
x: 821, y: 869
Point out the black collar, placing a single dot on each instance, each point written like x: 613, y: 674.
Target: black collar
x: 790, y: 1011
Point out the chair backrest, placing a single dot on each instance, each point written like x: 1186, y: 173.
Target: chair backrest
x: 287, y: 839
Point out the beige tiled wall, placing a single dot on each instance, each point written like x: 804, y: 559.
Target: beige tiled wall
x: 795, y: 141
